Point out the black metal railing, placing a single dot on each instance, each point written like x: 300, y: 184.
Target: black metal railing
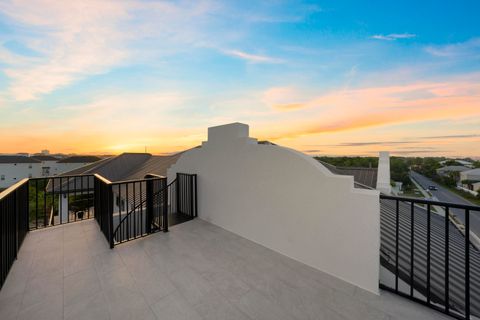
x: 103, y: 203
x: 124, y: 210
x: 13, y: 224
x: 137, y: 211
x: 186, y: 194
x: 59, y: 200
x: 430, y: 254
x: 150, y: 205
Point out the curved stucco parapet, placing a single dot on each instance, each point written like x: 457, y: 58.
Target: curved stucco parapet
x: 288, y: 202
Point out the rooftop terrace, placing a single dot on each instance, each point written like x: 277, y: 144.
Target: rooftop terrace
x: 196, y: 271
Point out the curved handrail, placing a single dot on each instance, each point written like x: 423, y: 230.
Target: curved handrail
x: 140, y: 205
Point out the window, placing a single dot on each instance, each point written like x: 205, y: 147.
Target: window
x: 2, y: 177
x: 29, y: 166
x: 45, y: 171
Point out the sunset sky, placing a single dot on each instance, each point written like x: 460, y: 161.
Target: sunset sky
x: 323, y: 77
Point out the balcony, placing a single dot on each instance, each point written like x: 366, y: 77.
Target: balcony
x: 195, y: 271
x: 268, y: 233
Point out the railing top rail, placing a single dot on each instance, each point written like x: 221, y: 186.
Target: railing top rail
x: 12, y: 188
x: 152, y: 175
x: 104, y: 180
x: 63, y: 176
x: 432, y: 202
x: 148, y: 176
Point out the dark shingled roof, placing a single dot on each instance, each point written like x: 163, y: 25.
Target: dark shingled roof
x: 363, y: 177
x: 17, y: 159
x: 80, y: 159
x: 128, y: 166
x: 44, y: 158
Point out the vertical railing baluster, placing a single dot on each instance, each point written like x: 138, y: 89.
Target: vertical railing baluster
x: 110, y: 214
x: 447, y: 253
x: 428, y: 252
x: 165, y: 207
x: 44, y: 202
x: 134, y: 212
x: 196, y: 198
x: 127, y: 217
x: 60, y: 200
x: 36, y: 203
x: 141, y: 209
x: 191, y: 195
x: 68, y: 199
x: 412, y: 248
x: 120, y: 209
x: 88, y: 201
x: 81, y: 193
x: 75, y: 195
x: 397, y: 229
x: 53, y: 201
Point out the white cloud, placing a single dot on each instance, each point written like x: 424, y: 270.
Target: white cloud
x: 467, y: 48
x: 254, y: 58
x: 81, y: 38
x: 393, y: 36
x: 75, y: 38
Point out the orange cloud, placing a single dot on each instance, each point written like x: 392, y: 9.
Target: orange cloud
x: 377, y: 106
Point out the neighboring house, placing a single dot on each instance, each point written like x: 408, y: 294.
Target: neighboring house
x: 367, y: 178
x: 126, y: 166
x: 14, y: 168
x: 451, y: 171
x: 74, y: 162
x: 48, y: 166
x: 471, y: 179
x: 464, y: 163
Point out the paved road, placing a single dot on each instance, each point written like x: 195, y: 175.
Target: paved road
x: 445, y: 195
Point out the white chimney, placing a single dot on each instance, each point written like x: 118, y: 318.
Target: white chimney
x: 383, y: 175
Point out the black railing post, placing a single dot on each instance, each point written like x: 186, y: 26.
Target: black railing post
x: 190, y: 178
x: 177, y: 193
x: 17, y: 213
x: 165, y: 207
x: 195, y: 189
x: 110, y: 213
x: 149, y: 205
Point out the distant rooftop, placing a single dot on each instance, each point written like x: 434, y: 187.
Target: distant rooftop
x: 17, y: 159
x: 453, y: 168
x: 128, y: 166
x: 363, y: 177
x: 80, y: 159
x: 44, y: 158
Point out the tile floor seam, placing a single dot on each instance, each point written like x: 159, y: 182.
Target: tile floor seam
x: 135, y: 282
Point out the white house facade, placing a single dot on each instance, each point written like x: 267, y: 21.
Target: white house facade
x: 471, y: 179
x: 15, y: 168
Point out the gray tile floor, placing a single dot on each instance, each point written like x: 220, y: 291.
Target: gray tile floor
x: 196, y: 271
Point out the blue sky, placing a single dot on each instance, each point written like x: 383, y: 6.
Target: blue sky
x: 320, y: 76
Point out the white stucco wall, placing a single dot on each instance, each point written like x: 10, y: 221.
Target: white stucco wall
x: 286, y: 201
x: 14, y: 172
